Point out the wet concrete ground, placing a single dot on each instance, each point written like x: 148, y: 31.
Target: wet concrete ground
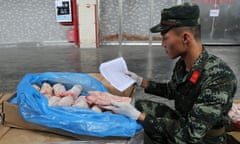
x: 149, y: 62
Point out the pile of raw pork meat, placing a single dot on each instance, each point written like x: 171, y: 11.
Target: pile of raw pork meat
x: 58, y: 95
x: 234, y: 114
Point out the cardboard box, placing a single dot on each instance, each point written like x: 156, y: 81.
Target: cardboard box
x: 11, y: 117
x: 22, y: 136
x: 127, y: 93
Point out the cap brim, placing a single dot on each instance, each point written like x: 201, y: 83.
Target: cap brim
x: 159, y: 28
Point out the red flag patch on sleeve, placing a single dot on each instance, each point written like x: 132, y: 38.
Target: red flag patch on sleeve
x: 195, y: 76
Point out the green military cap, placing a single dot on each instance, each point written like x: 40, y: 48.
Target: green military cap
x: 178, y: 16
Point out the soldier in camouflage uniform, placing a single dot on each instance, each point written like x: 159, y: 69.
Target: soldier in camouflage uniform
x: 202, y: 86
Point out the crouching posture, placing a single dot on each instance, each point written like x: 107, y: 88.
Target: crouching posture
x: 202, y: 86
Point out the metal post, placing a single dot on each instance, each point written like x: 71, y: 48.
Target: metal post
x: 213, y: 22
x: 120, y: 22
x: 75, y: 22
x: 98, y: 20
x: 151, y: 22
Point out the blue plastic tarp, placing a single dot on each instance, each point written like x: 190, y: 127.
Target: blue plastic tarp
x: 33, y: 107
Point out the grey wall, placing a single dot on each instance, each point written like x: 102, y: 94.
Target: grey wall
x: 224, y: 28
x: 125, y: 20
x: 30, y: 21
x: 130, y: 20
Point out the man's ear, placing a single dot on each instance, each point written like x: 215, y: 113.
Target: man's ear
x: 186, y: 37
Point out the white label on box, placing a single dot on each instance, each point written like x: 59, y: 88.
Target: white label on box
x: 214, y: 12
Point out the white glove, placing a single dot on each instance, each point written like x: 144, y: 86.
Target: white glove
x: 136, y: 77
x: 123, y: 108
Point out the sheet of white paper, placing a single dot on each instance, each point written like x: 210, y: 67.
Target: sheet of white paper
x: 114, y: 72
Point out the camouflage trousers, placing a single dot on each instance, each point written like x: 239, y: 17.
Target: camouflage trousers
x: 165, y: 118
x: 167, y: 124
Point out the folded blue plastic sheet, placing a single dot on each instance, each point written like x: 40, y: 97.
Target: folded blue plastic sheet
x: 33, y: 107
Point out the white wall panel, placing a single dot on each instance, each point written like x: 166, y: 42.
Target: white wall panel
x: 87, y: 23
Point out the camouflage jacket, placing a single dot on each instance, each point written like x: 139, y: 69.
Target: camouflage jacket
x: 202, y: 97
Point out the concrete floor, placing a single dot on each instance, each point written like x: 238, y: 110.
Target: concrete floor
x: 149, y: 62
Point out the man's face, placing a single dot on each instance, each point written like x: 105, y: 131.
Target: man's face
x: 173, y: 44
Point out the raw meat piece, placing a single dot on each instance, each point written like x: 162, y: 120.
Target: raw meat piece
x: 65, y: 101
x: 58, y: 89
x: 105, y: 95
x: 36, y: 87
x: 48, y: 96
x: 97, y: 100
x: 234, y: 113
x: 103, y: 98
x: 96, y: 108
x: 81, y: 102
x: 53, y: 100
x: 46, y: 89
x: 75, y: 91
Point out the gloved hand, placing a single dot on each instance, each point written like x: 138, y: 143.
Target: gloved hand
x: 136, y: 77
x: 123, y: 108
